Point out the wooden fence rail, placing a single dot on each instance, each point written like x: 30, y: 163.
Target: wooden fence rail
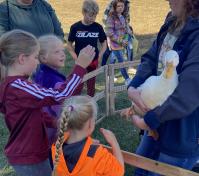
x: 153, y: 166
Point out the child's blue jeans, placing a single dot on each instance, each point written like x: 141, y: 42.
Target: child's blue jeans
x: 40, y: 169
x: 118, y: 54
x: 148, y: 147
x: 129, y: 48
x: 105, y: 56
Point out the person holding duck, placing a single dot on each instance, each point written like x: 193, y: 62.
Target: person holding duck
x: 176, y: 120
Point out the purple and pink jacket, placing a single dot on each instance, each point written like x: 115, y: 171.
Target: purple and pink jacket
x: 117, y: 31
x: 22, y: 102
x: 48, y: 77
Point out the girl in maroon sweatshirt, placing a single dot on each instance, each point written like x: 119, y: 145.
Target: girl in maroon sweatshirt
x: 21, y: 102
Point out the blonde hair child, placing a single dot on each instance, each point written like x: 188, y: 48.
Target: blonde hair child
x: 78, y: 122
x: 52, y: 58
x: 52, y: 51
x: 85, y: 32
x: 21, y: 102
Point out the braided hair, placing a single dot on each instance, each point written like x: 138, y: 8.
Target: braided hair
x: 76, y: 111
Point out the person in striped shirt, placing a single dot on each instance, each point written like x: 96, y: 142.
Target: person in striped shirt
x: 22, y: 101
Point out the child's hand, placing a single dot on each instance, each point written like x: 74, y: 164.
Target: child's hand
x: 109, y: 136
x: 85, y: 57
x: 111, y: 139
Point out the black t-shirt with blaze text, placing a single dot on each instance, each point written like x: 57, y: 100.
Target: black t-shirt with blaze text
x: 84, y: 35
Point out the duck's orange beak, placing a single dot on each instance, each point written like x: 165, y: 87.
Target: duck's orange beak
x: 169, y: 70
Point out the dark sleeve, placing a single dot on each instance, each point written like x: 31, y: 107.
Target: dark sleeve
x: 185, y: 98
x: 102, y: 35
x: 147, y: 67
x: 4, y: 23
x: 71, y: 35
x: 56, y: 23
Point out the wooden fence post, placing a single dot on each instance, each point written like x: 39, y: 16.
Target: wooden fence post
x: 107, y: 95
x: 111, y: 89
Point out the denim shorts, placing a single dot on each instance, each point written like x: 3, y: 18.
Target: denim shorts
x: 40, y: 169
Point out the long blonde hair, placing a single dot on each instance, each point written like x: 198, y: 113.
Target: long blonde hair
x: 14, y: 43
x: 75, y: 113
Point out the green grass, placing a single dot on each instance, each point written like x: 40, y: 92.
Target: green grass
x: 5, y: 169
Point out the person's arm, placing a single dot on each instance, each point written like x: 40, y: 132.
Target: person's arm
x: 4, y: 21
x: 102, y: 39
x: 36, y: 96
x: 103, y: 49
x: 71, y: 50
x: 147, y: 67
x: 106, y: 162
x: 56, y: 23
x: 71, y: 39
x: 111, y: 139
x: 185, y: 98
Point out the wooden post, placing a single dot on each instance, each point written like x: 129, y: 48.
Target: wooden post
x: 107, y: 95
x: 111, y: 89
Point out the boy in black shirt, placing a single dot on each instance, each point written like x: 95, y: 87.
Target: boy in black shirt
x: 85, y: 32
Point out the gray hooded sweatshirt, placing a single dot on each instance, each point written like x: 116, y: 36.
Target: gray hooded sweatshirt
x: 39, y: 18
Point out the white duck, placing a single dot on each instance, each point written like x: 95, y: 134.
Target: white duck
x: 156, y: 89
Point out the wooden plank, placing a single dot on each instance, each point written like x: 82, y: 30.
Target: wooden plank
x: 111, y: 87
x: 93, y: 73
x: 99, y: 95
x: 126, y: 64
x: 107, y: 95
x: 100, y: 119
x: 119, y: 88
x: 153, y: 166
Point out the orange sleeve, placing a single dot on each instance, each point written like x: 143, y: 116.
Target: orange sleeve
x: 106, y: 163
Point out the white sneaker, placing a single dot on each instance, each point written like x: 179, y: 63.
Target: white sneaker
x: 127, y: 81
x: 115, y: 79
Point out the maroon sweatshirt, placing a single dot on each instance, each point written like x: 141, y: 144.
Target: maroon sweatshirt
x: 21, y: 102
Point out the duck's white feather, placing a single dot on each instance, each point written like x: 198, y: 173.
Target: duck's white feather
x: 156, y: 89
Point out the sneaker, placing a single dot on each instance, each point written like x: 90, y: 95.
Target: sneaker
x: 115, y: 79
x: 127, y: 81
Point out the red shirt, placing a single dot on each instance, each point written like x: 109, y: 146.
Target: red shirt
x: 21, y: 102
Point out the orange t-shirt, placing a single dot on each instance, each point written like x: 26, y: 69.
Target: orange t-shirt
x: 102, y: 163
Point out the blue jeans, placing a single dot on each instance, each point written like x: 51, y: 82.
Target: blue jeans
x: 118, y: 54
x: 40, y: 169
x: 105, y: 56
x: 186, y: 163
x: 129, y: 48
x: 149, y: 148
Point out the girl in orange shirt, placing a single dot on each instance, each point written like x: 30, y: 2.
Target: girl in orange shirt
x: 74, y: 153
